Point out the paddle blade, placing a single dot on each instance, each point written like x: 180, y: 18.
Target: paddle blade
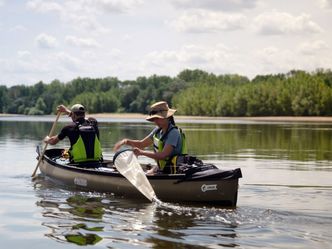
x: 127, y: 164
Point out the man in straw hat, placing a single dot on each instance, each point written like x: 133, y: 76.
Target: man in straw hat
x: 83, y: 134
x: 166, y: 138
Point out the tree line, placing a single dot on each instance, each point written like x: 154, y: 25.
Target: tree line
x: 191, y: 92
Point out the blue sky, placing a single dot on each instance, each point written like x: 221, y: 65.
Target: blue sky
x: 47, y: 40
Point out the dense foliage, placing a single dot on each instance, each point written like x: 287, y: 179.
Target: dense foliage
x: 192, y: 92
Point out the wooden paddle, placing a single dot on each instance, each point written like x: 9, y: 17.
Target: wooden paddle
x: 45, y: 147
x: 127, y: 164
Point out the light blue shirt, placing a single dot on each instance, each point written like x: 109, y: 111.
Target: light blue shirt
x: 173, y: 138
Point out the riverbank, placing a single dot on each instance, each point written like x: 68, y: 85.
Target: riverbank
x: 180, y: 117
x: 138, y: 116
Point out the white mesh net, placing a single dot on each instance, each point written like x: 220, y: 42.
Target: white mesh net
x: 127, y: 164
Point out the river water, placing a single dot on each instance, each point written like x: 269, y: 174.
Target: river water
x: 285, y: 195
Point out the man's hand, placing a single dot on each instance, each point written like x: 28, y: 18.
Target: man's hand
x: 63, y: 109
x: 51, y: 140
x: 46, y: 139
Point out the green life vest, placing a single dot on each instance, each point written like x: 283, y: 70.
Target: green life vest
x: 87, y: 146
x: 159, y: 143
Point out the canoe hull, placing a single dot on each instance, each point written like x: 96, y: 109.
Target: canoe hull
x: 170, y: 188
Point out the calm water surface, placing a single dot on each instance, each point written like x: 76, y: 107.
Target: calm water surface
x: 285, y: 195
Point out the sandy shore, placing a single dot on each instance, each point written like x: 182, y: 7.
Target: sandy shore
x: 179, y: 117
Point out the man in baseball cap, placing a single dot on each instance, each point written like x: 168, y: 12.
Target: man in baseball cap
x: 82, y: 133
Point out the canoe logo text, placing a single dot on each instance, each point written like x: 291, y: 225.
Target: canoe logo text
x: 206, y: 187
x: 81, y: 182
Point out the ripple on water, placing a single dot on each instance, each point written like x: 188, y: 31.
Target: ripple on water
x: 69, y: 216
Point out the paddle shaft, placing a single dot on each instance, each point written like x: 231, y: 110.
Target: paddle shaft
x: 45, y: 147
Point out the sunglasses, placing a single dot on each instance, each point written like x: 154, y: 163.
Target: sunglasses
x: 156, y: 111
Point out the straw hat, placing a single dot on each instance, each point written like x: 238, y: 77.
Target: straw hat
x: 160, y: 110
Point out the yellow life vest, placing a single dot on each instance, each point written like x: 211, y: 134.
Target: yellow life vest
x: 87, y: 146
x: 159, y: 143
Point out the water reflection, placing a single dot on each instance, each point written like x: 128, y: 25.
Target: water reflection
x: 78, y: 233
x: 71, y: 217
x: 197, y: 227
x: 92, y: 218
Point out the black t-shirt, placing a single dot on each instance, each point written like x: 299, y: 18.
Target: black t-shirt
x: 72, y: 132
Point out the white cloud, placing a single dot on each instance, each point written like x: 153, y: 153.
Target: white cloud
x: 200, y: 55
x: 222, y: 59
x: 83, y: 14
x: 44, y: 6
x: 68, y: 62
x: 223, y: 5
x: 116, y: 6
x: 326, y: 4
x: 24, y: 64
x: 84, y: 6
x: 278, y: 23
x: 23, y: 54
x: 115, y: 53
x: 218, y: 57
x: 75, y: 14
x: 130, y: 38
x: 200, y: 21
x: 46, y: 41
x: 29, y: 69
x: 271, y: 60
x: 83, y: 23
x: 81, y: 42
x: 268, y: 54
x: 127, y: 37
x: 279, y: 60
x: 89, y: 55
x: 19, y: 28
x: 311, y: 48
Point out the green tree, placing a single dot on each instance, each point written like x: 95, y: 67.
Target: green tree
x: 98, y: 102
x: 3, y: 98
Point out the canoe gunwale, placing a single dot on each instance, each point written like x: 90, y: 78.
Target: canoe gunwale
x: 92, y: 170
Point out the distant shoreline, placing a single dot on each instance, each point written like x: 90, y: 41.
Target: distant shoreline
x: 263, y: 118
x: 181, y: 117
